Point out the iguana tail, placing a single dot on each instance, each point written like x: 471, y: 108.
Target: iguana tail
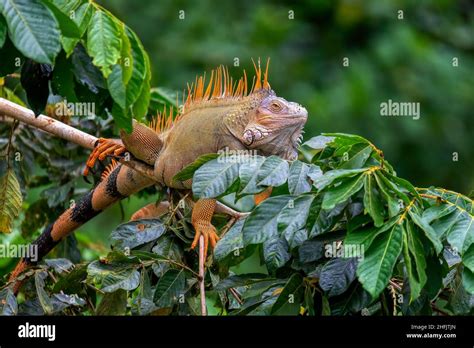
x: 117, y: 183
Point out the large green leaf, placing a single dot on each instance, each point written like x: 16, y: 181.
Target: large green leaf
x: 415, y: 263
x: 337, y: 275
x: 68, y: 27
x: 358, y: 159
x: 329, y: 177
x: 3, y: 31
x: 43, y: 297
x: 294, y: 216
x: 342, y: 192
x: 134, y: 233
x: 262, y: 222
x: 213, y: 178
x: 248, y: 176
x: 188, y: 171
x: 33, y: 29
x: 104, y: 41
x: 372, y: 201
x: 82, y: 17
x: 273, y: 172
x: 376, y: 268
x: 298, y: 182
x: 169, y: 288
x: 111, y: 277
x: 275, y: 253
x: 231, y: 242
x: 290, y: 293
x: 138, y: 68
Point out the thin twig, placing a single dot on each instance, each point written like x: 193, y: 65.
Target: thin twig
x: 201, y: 276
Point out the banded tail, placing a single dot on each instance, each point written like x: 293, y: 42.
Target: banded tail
x: 117, y: 183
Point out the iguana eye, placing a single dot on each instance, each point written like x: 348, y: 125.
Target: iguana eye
x: 275, y: 106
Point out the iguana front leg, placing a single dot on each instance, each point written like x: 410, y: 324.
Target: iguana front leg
x: 103, y: 148
x: 143, y: 143
x: 201, y: 221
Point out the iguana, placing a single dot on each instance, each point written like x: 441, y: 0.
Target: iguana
x: 216, y: 116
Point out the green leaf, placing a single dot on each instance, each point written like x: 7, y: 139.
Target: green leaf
x: 134, y: 233
x: 298, y: 182
x: 213, y: 178
x: 122, y: 119
x: 291, y: 292
x: 468, y: 280
x: 235, y: 281
x: 262, y: 222
x: 168, y: 248
x: 273, y: 172
x: 113, y: 303
x: 85, y: 72
x: 187, y: 172
x: 415, y: 285
x: 8, y: 304
x: 139, y: 68
x: 337, y: 275
x: 116, y: 86
x: 248, y: 176
x: 68, y: 27
x: 43, y: 297
x: 346, y: 139
x: 311, y: 250
x: 375, y: 270
x: 468, y: 258
x: 394, y: 206
x: 60, y: 265
x: 427, y: 229
x: 342, y: 192
x: 82, y: 17
x: 104, y: 41
x: 169, y: 288
x: 359, y: 159
x: 372, y: 200
x: 33, y: 29
x: 329, y: 177
x: 366, y: 235
x: 3, y: 31
x: 10, y: 200
x: 111, y: 277
x: 231, y: 242
x: 294, y: 216
x: 275, y: 253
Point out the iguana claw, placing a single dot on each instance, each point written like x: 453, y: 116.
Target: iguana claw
x: 103, y: 148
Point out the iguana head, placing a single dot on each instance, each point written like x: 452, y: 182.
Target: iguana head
x: 275, y: 126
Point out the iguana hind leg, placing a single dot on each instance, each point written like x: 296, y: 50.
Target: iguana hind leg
x: 201, y: 221
x: 151, y: 211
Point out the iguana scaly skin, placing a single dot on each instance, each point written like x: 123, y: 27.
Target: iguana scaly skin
x: 215, y: 117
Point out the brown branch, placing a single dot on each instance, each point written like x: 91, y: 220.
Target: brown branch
x: 201, y: 276
x: 63, y: 131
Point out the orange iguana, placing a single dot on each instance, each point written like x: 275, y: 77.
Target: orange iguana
x: 217, y: 116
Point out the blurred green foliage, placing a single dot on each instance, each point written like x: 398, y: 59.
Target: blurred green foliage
x: 405, y: 60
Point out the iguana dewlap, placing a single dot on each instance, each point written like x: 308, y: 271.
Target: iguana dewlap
x: 218, y: 115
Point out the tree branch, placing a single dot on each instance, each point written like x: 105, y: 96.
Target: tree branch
x: 64, y: 131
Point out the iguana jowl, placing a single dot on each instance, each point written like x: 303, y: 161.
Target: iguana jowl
x: 216, y: 116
